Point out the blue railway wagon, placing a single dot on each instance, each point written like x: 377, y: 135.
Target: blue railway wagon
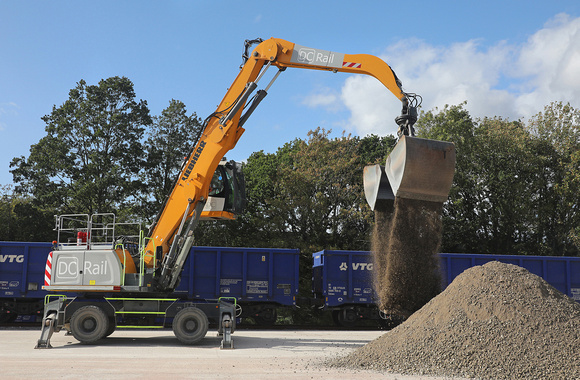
x: 563, y: 273
x: 261, y: 279
x: 340, y: 275
x: 344, y: 281
x: 22, y: 267
x: 343, y: 277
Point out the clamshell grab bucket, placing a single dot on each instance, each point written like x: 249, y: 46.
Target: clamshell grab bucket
x: 378, y: 191
x: 417, y: 168
x: 421, y: 169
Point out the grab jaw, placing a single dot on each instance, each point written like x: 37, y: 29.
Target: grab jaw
x: 417, y: 168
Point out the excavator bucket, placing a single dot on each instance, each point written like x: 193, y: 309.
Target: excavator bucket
x: 421, y: 169
x: 378, y: 191
x: 417, y: 168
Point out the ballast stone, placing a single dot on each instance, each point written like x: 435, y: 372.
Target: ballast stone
x: 496, y: 321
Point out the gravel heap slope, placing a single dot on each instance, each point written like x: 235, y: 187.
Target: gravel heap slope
x: 496, y: 321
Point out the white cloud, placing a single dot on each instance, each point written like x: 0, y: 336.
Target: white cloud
x: 550, y: 60
x: 10, y: 109
x: 323, y: 97
x: 512, y: 81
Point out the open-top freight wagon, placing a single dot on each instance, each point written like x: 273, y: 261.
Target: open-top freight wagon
x: 262, y: 280
x: 343, y: 280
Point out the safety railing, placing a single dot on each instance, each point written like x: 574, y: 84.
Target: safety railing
x: 96, y: 231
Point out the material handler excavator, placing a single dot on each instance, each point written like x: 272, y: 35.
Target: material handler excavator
x: 122, y: 278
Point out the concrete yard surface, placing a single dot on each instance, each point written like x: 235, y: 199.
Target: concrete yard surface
x: 263, y: 354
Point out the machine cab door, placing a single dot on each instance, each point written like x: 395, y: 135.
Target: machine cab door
x: 227, y: 192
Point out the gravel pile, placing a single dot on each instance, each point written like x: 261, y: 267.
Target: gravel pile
x: 496, y: 321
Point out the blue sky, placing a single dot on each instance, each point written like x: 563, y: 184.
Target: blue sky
x: 505, y: 58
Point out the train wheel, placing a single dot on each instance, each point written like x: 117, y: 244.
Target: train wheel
x: 347, y: 318
x: 190, y: 325
x: 266, y: 317
x: 8, y: 312
x: 7, y: 317
x: 389, y: 321
x: 89, y: 324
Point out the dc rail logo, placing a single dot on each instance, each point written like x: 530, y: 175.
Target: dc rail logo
x: 315, y: 57
x: 309, y: 56
x: 356, y: 266
x: 69, y: 267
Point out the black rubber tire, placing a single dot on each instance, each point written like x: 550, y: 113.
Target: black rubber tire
x: 89, y: 324
x: 190, y: 325
x: 112, y: 326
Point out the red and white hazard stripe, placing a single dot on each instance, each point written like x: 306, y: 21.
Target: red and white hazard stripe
x: 48, y: 270
x: 353, y: 65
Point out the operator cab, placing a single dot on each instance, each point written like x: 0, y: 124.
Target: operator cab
x: 227, y: 192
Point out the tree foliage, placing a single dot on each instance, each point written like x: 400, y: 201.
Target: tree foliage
x: 91, y: 156
x: 515, y: 188
x: 169, y: 140
x: 308, y: 195
x: 21, y: 220
x: 557, y: 137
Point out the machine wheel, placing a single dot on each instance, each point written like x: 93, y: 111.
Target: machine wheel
x: 190, y: 325
x: 89, y: 324
x: 112, y: 326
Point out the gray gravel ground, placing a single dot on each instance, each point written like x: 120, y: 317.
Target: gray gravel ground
x: 496, y: 321
x: 154, y: 354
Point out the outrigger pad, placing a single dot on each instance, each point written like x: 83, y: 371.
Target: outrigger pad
x: 47, y: 330
x: 421, y: 169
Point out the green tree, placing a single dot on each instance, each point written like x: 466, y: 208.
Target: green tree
x: 169, y: 140
x: 320, y: 195
x: 20, y: 220
x: 6, y: 213
x: 91, y: 156
x: 489, y: 206
x: 516, y: 186
x: 504, y: 161
x: 556, y: 134
x: 461, y: 220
